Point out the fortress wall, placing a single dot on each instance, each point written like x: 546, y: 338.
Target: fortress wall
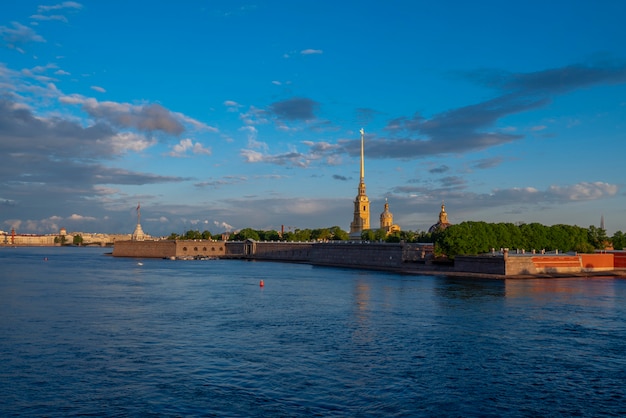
x: 417, y: 252
x: 287, y: 251
x: 382, y: 256
x: 519, y: 265
x: 169, y: 248
x: 558, y: 264
x: 619, y: 259
x: 364, y: 255
x: 481, y: 264
x: 234, y: 249
x: 597, y: 262
x: 145, y: 249
x: 199, y: 248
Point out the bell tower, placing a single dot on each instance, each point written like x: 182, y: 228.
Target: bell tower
x: 361, y: 220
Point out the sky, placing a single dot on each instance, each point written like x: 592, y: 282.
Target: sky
x: 226, y: 114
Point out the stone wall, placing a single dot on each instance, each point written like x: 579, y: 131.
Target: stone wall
x: 199, y: 248
x: 405, y: 258
x: 362, y: 255
x: 287, y: 251
x: 169, y: 248
x: 481, y: 264
x: 144, y: 249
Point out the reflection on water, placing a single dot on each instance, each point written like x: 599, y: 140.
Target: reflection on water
x: 467, y: 289
x: 584, y: 290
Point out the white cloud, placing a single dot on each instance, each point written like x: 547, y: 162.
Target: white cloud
x: 584, y: 191
x: 76, y: 217
x: 311, y: 51
x: 224, y: 225
x: 252, y: 156
x: 19, y: 34
x: 186, y: 145
x: 63, y: 5
x: 60, y: 18
x: 98, y: 89
x: 128, y: 141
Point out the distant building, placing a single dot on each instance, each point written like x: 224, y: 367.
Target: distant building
x: 361, y: 220
x: 386, y: 221
x: 443, y: 221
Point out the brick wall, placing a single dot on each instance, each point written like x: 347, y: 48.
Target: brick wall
x: 597, y: 262
x: 144, y: 249
x: 619, y: 259
x: 200, y: 248
x: 169, y: 248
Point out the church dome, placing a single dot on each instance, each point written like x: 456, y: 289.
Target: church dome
x: 386, y: 218
x: 443, y: 221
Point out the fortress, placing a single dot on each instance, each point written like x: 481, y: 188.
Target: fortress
x: 401, y: 257
x: 395, y: 257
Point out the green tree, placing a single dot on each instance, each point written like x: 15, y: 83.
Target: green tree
x: 244, y: 234
x: 394, y: 237
x: 619, y: 240
x: 368, y: 235
x: 597, y: 237
x: 302, y: 235
x: 192, y: 234
x: 77, y: 240
x: 271, y: 235
x: 338, y: 234
x: 535, y: 236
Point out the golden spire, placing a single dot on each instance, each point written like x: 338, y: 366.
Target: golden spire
x: 362, y: 155
x: 361, y: 219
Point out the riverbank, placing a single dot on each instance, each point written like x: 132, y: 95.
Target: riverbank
x: 405, y: 258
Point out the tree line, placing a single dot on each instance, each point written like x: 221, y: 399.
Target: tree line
x: 466, y: 238
x: 481, y: 237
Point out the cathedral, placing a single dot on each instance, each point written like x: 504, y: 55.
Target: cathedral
x: 386, y: 221
x: 361, y: 220
x: 443, y: 220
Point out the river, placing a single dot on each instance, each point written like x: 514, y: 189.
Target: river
x: 83, y: 333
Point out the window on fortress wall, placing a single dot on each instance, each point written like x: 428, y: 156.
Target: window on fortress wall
x: 184, y: 248
x: 220, y: 248
x: 212, y: 248
x: 195, y: 248
x: 203, y: 248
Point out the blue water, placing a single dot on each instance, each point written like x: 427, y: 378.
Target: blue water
x: 87, y: 334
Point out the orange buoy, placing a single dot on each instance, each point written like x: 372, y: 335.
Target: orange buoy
x: 261, y: 283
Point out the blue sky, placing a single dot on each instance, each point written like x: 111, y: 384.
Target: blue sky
x: 221, y: 115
